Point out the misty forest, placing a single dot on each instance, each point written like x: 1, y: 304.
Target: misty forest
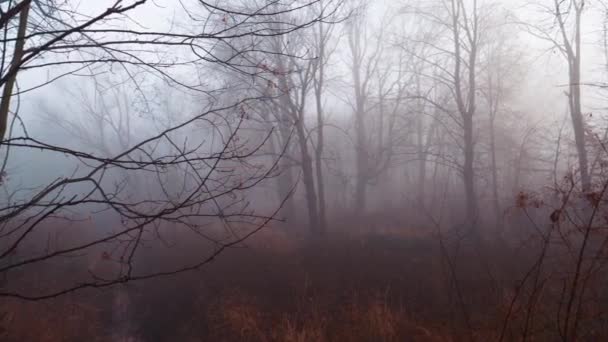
x: 303, y: 170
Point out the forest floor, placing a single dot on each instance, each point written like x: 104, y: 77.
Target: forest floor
x: 345, y: 287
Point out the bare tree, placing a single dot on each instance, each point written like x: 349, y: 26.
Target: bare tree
x: 323, y: 34
x: 459, y: 67
x: 295, y: 81
x: 365, y: 57
x: 191, y: 180
x: 501, y: 74
x: 563, y: 32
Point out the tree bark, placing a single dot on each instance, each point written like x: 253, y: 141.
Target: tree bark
x: 466, y: 107
x: 578, y: 123
x: 360, y: 132
x: 295, y: 111
x: 7, y: 93
x: 319, y: 88
x: 362, y: 167
x: 285, y: 180
x: 468, y: 172
x: 573, y: 55
x: 495, y: 201
x: 319, y: 154
x: 308, y: 180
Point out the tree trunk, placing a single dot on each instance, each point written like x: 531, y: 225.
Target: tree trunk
x: 319, y: 88
x: 578, y: 123
x: 362, y: 168
x: 308, y: 180
x: 495, y: 202
x: 295, y: 113
x: 285, y: 180
x: 466, y: 104
x: 573, y: 54
x: 361, y: 146
x: 468, y: 172
x: 360, y: 92
x: 421, y: 163
x: 319, y: 162
x: 321, y: 193
x: 7, y: 93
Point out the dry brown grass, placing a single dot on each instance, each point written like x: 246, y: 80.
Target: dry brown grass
x: 65, y: 319
x: 273, y: 288
x: 239, y: 318
x: 383, y: 285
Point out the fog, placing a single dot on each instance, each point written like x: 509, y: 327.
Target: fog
x: 303, y: 170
